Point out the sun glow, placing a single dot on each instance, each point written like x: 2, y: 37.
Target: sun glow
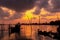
x: 29, y: 14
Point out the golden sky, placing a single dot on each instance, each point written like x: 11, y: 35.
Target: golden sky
x: 29, y: 17
x: 29, y: 11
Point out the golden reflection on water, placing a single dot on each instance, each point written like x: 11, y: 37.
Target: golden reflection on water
x: 29, y: 30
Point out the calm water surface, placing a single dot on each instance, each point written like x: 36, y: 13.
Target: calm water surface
x: 28, y: 31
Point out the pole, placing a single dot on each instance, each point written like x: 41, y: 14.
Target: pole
x: 30, y: 25
x: 57, y: 16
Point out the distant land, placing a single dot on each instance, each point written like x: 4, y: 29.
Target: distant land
x: 57, y: 22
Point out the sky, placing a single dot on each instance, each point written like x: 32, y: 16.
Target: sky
x: 29, y: 11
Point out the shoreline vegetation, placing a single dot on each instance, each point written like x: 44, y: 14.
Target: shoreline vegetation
x: 57, y: 22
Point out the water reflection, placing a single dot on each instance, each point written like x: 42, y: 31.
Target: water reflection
x: 29, y: 31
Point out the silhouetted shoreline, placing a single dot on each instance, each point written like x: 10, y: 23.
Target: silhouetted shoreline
x: 57, y: 22
x: 16, y: 29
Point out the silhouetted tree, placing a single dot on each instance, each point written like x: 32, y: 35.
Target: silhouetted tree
x: 57, y: 22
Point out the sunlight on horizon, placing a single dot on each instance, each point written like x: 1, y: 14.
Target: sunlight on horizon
x: 28, y: 15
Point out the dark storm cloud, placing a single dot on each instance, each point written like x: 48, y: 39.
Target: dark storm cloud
x: 49, y: 5
x: 54, y: 7
x: 56, y: 3
x: 40, y: 4
x: 18, y: 5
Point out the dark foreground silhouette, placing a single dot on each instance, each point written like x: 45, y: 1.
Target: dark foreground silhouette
x: 15, y: 29
x: 49, y: 34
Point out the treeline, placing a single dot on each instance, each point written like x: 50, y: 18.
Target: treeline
x: 57, y: 22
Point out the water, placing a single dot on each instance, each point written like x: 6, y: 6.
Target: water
x: 28, y: 31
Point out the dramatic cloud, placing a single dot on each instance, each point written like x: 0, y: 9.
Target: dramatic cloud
x: 7, y: 16
x: 49, y: 5
x: 23, y: 5
x: 16, y: 16
x: 39, y: 5
x: 53, y: 6
x: 3, y: 14
x: 18, y: 5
